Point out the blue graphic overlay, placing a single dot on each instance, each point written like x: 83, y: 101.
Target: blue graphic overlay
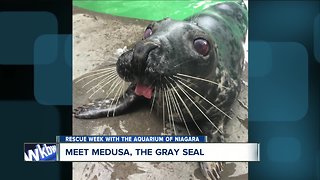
x: 278, y: 81
x: 52, y: 70
x: 22, y: 117
x: 260, y: 58
x: 290, y: 151
x: 68, y: 50
x: 18, y: 33
x: 284, y: 88
x: 147, y: 139
x: 46, y: 49
x: 40, y: 152
x: 317, y: 37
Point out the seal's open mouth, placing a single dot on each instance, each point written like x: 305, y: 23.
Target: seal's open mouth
x: 143, y: 90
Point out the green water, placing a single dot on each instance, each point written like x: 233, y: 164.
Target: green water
x: 149, y: 10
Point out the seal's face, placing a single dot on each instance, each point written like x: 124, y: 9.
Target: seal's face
x: 168, y: 47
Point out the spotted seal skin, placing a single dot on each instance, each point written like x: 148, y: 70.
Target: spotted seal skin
x: 189, y: 70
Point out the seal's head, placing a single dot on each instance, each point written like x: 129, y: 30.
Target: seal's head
x: 168, y: 48
x: 235, y: 14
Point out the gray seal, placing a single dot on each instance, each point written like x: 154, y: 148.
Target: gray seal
x: 189, y: 70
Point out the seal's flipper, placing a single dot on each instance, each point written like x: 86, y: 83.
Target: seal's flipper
x: 215, y: 134
x: 211, y: 170
x: 107, y: 107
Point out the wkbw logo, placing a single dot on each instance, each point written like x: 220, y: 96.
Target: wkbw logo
x: 40, y: 152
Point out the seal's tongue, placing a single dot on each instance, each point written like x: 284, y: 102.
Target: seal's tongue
x: 142, y: 90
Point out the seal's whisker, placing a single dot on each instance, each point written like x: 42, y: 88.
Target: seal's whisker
x: 154, y: 97
x: 185, y: 105
x: 121, y: 89
x: 199, y: 104
x: 201, y: 79
x: 177, y: 65
x: 163, y: 111
x: 95, y: 74
x: 118, y: 96
x: 114, y: 82
x: 107, y: 74
x: 110, y: 80
x: 102, y: 69
x: 112, y: 76
x: 178, y: 109
x: 124, y: 89
x: 167, y: 106
x: 170, y: 111
x: 204, y: 99
x: 180, y: 112
x: 184, y: 92
x: 90, y: 75
x: 186, y: 80
x: 113, y: 86
x: 173, y: 102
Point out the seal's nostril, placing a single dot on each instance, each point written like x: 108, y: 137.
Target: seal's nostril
x: 141, y: 52
x: 144, y: 47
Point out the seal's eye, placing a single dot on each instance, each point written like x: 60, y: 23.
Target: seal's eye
x: 147, y: 33
x: 201, y: 46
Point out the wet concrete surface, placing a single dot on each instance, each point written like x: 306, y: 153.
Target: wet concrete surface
x: 98, y: 39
